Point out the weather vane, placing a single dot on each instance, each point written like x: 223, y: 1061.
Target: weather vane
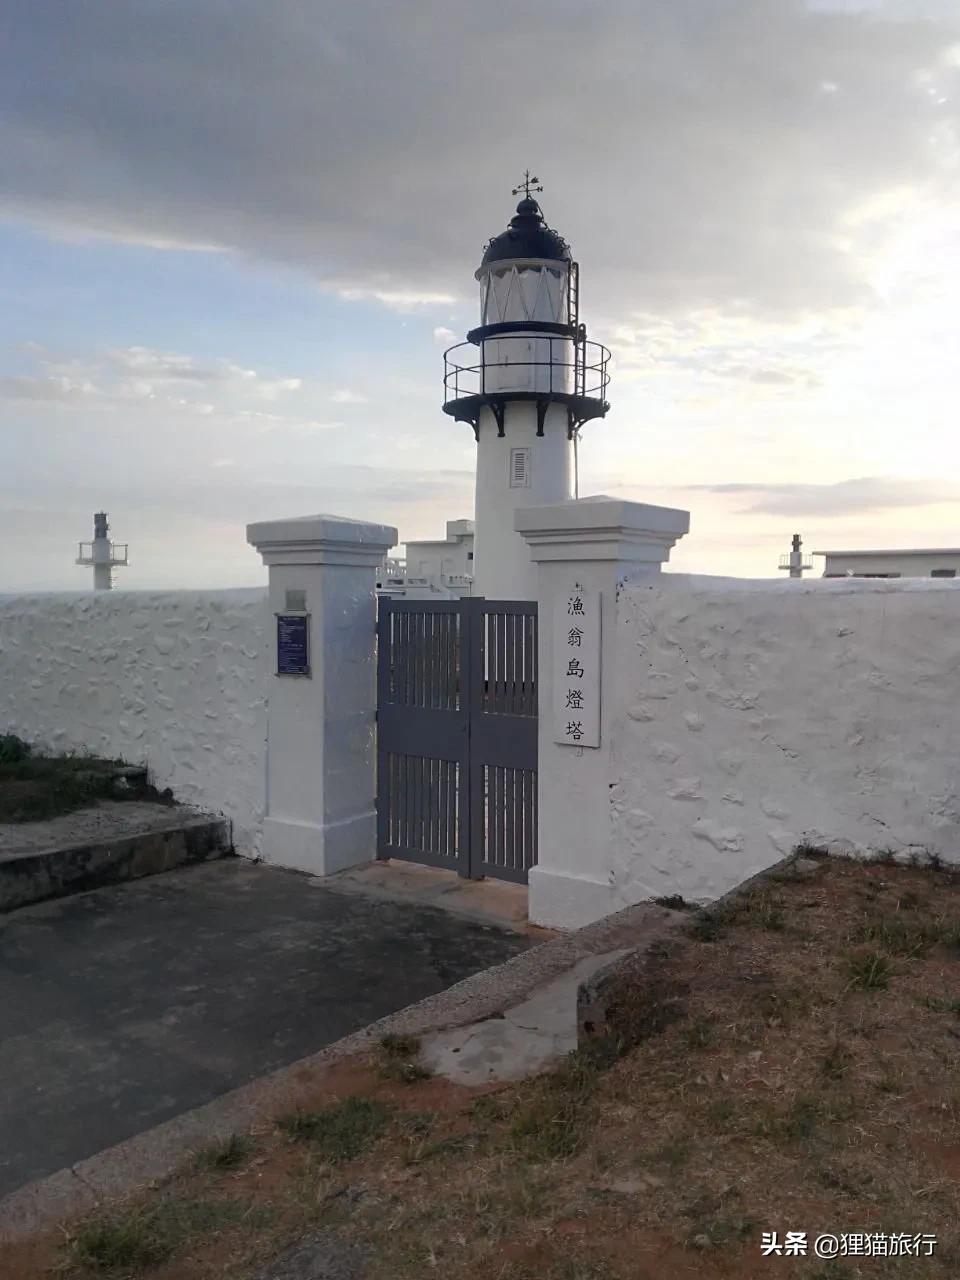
x: 526, y: 185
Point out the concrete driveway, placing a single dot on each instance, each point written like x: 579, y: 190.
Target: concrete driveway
x: 123, y: 1007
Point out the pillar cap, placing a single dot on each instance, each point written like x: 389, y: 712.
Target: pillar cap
x: 321, y: 540
x: 601, y: 528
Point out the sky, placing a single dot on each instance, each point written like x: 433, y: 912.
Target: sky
x: 236, y: 237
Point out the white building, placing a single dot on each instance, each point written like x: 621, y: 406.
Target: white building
x: 901, y: 563
x: 442, y: 568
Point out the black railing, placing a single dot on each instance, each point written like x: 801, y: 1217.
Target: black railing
x: 584, y: 376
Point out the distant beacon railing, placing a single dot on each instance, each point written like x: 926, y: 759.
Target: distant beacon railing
x: 571, y: 367
x: 786, y: 563
x: 118, y: 553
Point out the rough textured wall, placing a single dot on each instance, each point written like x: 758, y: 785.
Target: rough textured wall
x: 750, y: 716
x: 173, y: 680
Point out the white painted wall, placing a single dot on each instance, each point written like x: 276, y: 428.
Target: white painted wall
x: 174, y: 680
x: 743, y: 717
x: 503, y: 569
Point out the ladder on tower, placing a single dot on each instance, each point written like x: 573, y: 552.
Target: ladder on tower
x: 573, y: 296
x: 580, y: 333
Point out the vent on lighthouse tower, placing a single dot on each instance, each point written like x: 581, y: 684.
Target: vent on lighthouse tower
x: 519, y: 468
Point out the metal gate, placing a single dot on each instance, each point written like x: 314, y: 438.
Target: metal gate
x: 457, y: 734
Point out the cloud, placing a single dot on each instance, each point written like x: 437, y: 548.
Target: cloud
x: 50, y: 388
x: 695, y: 154
x: 346, y: 396
x: 137, y: 374
x: 845, y: 498
x: 149, y: 367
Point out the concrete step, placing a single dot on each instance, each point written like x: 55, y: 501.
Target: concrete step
x: 166, y: 839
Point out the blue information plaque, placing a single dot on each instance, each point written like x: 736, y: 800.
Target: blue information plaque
x: 293, y: 653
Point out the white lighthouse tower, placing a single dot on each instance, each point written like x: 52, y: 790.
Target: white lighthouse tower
x: 526, y: 380
x: 102, y: 554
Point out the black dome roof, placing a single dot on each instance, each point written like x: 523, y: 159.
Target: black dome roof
x: 528, y: 236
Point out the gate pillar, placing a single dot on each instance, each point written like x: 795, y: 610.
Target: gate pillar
x: 584, y: 550
x: 321, y: 702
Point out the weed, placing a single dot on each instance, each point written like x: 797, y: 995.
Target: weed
x: 870, y: 970
x: 763, y: 911
x: 398, y: 1046
x: 674, y: 902
x: 398, y: 1059
x: 899, y: 935
x: 720, y: 1112
x: 416, y: 1124
x: 718, y: 1230
x: 699, y: 1034
x: 489, y: 1108
x: 885, y: 857
x: 891, y: 1082
x: 673, y: 1155
x: 805, y: 850
x: 549, y: 1127
x: 13, y: 749
x: 835, y: 1061
x: 801, y: 1120
x: 135, y: 1239
x: 708, y: 926
x: 418, y: 1152
x: 832, y: 1270
x: 229, y: 1153
x: 846, y: 1180
x: 123, y: 1240
x: 339, y: 1132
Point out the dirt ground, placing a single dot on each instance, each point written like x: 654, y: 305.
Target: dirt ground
x: 803, y: 1077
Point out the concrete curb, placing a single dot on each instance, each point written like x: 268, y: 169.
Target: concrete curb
x: 55, y: 873
x: 157, y: 1152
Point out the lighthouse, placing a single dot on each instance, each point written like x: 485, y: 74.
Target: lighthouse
x: 102, y: 554
x: 795, y: 563
x: 526, y: 380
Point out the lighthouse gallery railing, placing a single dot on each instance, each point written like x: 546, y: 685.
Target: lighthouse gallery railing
x: 585, y: 375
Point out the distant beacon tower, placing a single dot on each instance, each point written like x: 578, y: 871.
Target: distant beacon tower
x: 795, y: 562
x: 102, y: 554
x: 526, y: 380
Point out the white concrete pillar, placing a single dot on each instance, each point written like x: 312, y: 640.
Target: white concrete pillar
x: 321, y: 751
x: 593, y: 545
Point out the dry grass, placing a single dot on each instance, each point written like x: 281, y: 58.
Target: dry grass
x: 809, y: 1082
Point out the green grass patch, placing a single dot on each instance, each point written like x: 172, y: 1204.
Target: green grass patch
x: 130, y: 1241
x: 549, y: 1127
x: 869, y: 970
x: 551, y: 1123
x: 339, y: 1132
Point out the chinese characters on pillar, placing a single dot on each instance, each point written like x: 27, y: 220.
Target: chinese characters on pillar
x: 576, y: 669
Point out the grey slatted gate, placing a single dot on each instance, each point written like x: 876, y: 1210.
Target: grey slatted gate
x: 457, y: 734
